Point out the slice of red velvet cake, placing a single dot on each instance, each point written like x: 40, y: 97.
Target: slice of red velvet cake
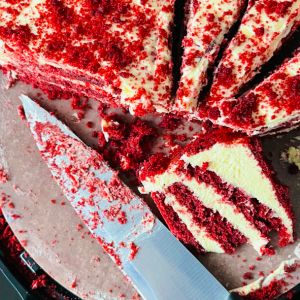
x: 220, y: 193
x: 116, y: 51
x: 208, y: 22
x: 272, y: 105
x: 264, y: 27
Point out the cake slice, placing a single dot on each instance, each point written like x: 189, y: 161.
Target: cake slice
x: 208, y: 22
x: 114, y: 51
x: 264, y: 27
x: 273, y: 105
x: 220, y: 193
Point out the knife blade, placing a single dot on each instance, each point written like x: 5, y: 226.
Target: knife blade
x: 158, y: 265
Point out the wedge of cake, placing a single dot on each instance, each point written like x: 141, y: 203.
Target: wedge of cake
x: 264, y: 27
x: 273, y: 105
x: 114, y: 51
x: 208, y: 22
x: 219, y: 193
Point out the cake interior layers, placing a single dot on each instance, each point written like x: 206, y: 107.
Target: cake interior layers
x: 120, y: 46
x: 273, y: 104
x: 207, y: 25
x: 220, y: 192
x: 264, y: 27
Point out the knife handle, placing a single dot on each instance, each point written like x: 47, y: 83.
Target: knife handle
x: 234, y: 296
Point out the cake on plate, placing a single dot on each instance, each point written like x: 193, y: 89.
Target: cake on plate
x: 218, y: 193
x: 115, y: 51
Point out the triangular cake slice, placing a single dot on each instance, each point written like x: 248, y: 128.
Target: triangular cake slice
x: 273, y: 105
x: 220, y: 193
x: 208, y: 22
x: 264, y: 27
x: 116, y: 51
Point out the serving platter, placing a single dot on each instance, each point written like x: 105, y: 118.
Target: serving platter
x: 54, y: 238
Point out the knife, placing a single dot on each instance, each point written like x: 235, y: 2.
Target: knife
x: 157, y: 264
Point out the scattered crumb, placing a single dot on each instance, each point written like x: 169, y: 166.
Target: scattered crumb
x: 3, y: 176
x: 89, y: 124
x: 74, y: 284
x: 248, y: 275
x: 252, y: 267
x: 39, y: 282
x: 79, y: 227
x: 133, y: 251
x: 24, y: 243
x: 21, y: 112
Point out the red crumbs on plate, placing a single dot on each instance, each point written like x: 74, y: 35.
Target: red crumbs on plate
x: 39, y: 282
x: 21, y: 112
x: 133, y: 251
x: 74, y: 283
x: 248, y: 276
x: 3, y: 176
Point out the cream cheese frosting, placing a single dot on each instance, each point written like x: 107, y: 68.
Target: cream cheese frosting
x: 261, y: 33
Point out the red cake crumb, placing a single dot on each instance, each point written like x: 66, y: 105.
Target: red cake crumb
x: 270, y: 292
x: 252, y: 267
x: 171, y: 121
x: 24, y: 243
x: 248, y: 275
x: 15, y: 216
x: 11, y: 205
x: 79, y: 227
x: 115, y: 213
x: 53, y: 201
x: 133, y: 251
x: 110, y: 249
x: 21, y: 112
x: 41, y: 281
x: 130, y: 142
x: 90, y: 124
x: 3, y: 176
x: 74, y: 284
x: 122, y: 219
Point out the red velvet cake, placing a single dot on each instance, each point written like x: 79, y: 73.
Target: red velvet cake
x: 272, y: 105
x: 208, y: 23
x: 219, y: 193
x: 264, y: 27
x: 116, y: 51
